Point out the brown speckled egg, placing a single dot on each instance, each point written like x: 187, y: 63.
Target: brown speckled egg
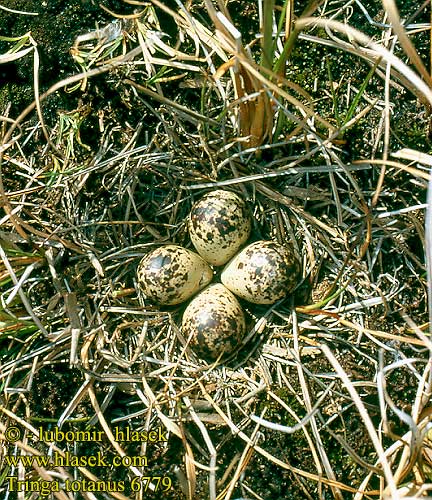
x: 214, y: 321
x: 262, y: 273
x: 219, y: 224
x: 172, y: 274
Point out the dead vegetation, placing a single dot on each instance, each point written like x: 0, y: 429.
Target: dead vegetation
x: 329, y: 395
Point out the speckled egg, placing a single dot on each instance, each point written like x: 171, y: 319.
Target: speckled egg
x: 219, y: 224
x: 262, y: 273
x: 214, y: 322
x: 172, y: 274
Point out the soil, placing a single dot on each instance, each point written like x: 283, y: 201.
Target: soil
x: 54, y: 30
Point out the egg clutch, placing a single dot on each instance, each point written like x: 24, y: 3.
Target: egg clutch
x: 262, y: 272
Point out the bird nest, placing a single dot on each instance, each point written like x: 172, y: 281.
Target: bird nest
x: 328, y: 395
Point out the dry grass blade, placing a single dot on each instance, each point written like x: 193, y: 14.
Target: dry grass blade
x: 428, y: 226
x: 7, y: 58
x: 405, y: 42
x: 255, y: 111
x: 307, y: 398
x: 424, y: 91
x: 212, y: 452
x: 241, y: 466
x: 391, y: 485
x: 304, y: 115
x: 270, y: 457
x: 411, y: 170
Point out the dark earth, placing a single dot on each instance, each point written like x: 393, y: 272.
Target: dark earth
x: 54, y: 30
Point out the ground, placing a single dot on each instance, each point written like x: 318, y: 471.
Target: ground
x: 338, y: 372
